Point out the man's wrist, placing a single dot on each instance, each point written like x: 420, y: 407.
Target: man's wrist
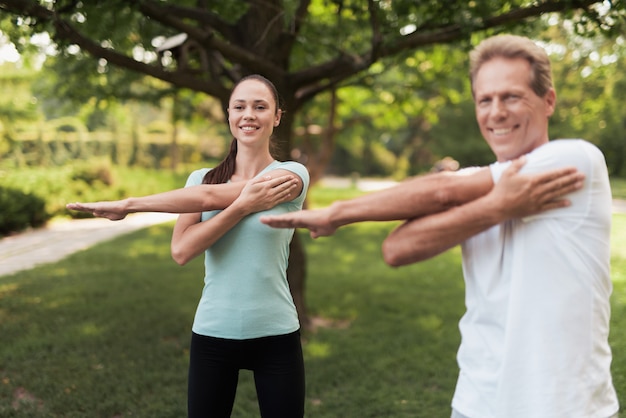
x: 336, y: 213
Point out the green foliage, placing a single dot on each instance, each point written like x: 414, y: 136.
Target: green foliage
x: 94, y: 172
x: 590, y: 82
x: 618, y: 187
x: 84, y: 181
x: 115, y: 320
x: 110, y: 50
x: 617, y: 336
x: 20, y: 210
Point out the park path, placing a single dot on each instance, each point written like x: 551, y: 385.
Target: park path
x: 60, y: 239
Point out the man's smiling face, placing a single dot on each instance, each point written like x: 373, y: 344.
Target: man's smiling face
x: 512, y: 118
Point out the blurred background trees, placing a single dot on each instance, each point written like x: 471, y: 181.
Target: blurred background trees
x: 370, y: 87
x: 375, y: 87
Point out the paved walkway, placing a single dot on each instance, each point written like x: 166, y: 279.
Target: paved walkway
x: 62, y: 238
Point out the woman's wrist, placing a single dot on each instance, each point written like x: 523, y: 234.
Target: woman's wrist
x: 128, y: 205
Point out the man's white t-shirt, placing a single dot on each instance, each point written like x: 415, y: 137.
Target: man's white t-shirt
x: 535, y: 333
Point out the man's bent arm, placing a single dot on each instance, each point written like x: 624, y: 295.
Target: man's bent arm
x: 415, y: 197
x: 515, y: 196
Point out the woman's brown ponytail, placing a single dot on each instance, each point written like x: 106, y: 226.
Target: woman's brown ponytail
x: 225, y: 169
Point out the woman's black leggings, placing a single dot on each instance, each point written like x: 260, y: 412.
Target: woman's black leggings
x: 278, y: 367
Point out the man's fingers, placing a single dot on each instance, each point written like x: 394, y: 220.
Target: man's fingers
x: 555, y: 204
x: 517, y: 164
x: 564, y: 185
x: 560, y: 174
x: 276, y: 222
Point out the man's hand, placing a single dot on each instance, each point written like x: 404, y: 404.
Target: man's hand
x: 113, y: 210
x: 316, y: 221
x: 519, y: 195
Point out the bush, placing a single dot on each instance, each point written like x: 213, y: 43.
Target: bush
x: 90, y: 173
x: 20, y: 210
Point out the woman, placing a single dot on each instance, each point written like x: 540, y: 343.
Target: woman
x: 246, y: 318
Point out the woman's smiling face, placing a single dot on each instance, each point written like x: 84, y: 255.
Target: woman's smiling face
x: 252, y: 112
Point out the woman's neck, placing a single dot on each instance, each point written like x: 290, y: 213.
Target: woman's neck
x: 247, y: 165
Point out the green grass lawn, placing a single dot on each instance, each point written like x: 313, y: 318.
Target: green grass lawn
x: 105, y: 332
x: 618, y: 187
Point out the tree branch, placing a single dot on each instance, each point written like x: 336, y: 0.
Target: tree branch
x: 310, y: 80
x: 206, y: 18
x: 377, y: 37
x: 66, y: 32
x: 209, y: 41
x: 451, y: 33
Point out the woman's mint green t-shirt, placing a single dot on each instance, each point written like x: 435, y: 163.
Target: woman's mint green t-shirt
x: 246, y: 294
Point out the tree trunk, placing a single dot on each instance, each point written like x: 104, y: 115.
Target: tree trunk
x: 296, y: 270
x: 296, y: 276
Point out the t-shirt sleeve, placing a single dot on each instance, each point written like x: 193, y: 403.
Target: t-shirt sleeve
x: 195, y: 178
x: 556, y: 154
x: 582, y: 155
x: 301, y: 171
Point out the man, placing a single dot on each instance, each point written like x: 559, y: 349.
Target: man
x: 536, y: 266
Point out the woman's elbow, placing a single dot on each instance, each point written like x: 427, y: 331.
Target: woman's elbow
x: 180, y: 257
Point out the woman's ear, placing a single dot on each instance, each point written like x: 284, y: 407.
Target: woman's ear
x: 277, y: 118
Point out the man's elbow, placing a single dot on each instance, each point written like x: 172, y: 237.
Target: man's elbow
x: 392, y: 254
x: 396, y: 254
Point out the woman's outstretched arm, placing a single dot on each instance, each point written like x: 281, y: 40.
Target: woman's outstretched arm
x: 192, y: 199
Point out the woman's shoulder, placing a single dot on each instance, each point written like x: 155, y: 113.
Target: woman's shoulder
x: 293, y: 166
x: 197, y: 176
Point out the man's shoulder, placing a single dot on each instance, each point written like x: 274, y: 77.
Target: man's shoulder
x: 567, y: 145
x: 567, y: 152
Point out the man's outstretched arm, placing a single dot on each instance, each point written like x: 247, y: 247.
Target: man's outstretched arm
x: 413, y: 198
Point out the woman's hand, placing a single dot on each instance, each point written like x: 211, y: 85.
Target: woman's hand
x: 264, y: 193
x: 113, y: 210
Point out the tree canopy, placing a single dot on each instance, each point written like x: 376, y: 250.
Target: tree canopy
x: 305, y: 46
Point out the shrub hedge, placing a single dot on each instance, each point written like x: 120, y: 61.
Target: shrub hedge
x: 20, y: 210
x: 31, y: 196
